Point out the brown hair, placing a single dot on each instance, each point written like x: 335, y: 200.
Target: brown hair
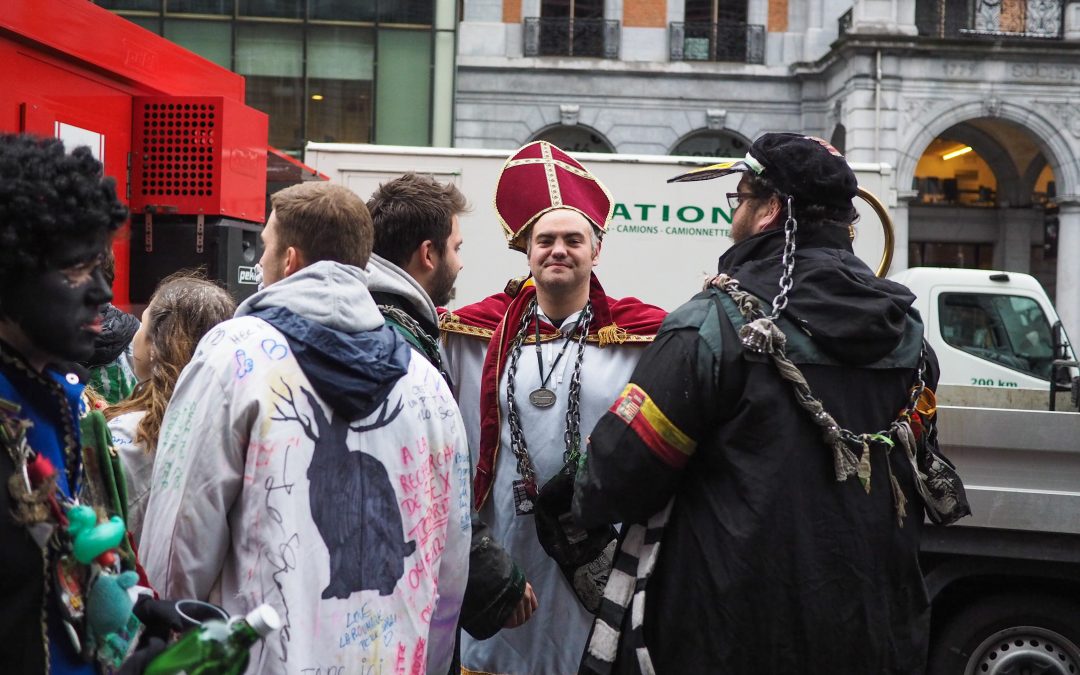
x: 410, y: 210
x: 325, y: 222
x: 184, y: 307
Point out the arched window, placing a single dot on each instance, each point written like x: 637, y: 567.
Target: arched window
x: 576, y: 138
x: 710, y: 143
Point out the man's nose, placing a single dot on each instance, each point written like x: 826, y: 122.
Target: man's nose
x: 99, y: 292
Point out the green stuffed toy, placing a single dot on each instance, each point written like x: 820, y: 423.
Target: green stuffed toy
x: 111, y: 626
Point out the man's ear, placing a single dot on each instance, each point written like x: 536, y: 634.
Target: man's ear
x: 596, y: 255
x: 771, y: 215
x: 423, y: 258
x: 294, y: 261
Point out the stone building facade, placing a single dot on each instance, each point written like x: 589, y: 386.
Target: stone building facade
x: 916, y: 84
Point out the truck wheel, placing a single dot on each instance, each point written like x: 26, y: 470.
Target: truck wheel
x: 1010, y: 635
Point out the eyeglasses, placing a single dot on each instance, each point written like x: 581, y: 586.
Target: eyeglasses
x: 736, y: 198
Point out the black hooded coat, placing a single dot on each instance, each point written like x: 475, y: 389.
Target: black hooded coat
x: 768, y: 564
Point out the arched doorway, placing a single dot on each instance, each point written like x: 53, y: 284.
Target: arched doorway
x: 574, y: 138
x: 711, y: 143
x: 984, y: 198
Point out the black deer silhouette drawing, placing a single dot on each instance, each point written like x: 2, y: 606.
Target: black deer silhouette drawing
x: 352, y: 501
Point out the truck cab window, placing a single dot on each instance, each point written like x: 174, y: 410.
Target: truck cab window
x: 1010, y: 330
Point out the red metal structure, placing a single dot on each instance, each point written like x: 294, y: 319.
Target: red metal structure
x: 170, y: 126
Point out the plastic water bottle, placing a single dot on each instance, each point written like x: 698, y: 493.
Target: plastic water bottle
x: 217, y: 647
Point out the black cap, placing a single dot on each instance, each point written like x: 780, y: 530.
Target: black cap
x: 804, y: 167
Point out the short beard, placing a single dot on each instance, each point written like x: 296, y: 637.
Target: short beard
x: 442, y: 285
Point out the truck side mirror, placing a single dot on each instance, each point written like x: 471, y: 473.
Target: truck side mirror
x: 1057, y: 340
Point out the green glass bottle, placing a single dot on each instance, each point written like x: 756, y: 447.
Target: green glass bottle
x: 216, y: 647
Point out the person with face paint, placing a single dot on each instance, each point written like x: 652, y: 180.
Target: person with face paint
x: 184, y: 307
x: 534, y: 368
x: 57, y: 216
x: 767, y: 455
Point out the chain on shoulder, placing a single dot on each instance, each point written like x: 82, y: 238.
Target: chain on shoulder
x: 787, y: 262
x: 431, y: 347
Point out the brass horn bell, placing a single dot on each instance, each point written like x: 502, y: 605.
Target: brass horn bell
x: 886, y: 226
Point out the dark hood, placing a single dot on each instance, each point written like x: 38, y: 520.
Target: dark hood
x: 352, y: 372
x: 116, y: 333
x: 851, y: 314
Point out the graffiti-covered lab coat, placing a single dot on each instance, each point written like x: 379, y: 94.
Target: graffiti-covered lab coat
x: 306, y: 461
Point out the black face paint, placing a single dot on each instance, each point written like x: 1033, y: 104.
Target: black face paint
x: 59, y: 309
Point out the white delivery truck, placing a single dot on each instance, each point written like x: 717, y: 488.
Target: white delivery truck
x: 1005, y: 582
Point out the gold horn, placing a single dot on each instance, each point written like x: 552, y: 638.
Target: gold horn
x: 886, y: 226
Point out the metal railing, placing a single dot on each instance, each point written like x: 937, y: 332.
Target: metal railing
x: 567, y: 36
x: 843, y: 24
x: 1038, y: 19
x: 741, y: 42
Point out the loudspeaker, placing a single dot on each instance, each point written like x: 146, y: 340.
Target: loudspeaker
x: 225, y: 249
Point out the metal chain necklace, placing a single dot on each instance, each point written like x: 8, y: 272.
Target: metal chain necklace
x: 542, y: 397
x: 525, y: 489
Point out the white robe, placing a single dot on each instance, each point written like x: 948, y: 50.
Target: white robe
x: 552, y: 641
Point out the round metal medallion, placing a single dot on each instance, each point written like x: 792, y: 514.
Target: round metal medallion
x: 542, y: 398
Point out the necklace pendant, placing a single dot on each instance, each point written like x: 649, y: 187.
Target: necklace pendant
x: 542, y: 397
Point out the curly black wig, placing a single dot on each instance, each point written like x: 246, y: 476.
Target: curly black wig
x: 48, y: 197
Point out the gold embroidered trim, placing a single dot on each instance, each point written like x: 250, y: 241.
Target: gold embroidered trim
x: 451, y: 326
x: 604, y: 337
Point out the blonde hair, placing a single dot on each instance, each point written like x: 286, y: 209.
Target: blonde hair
x: 184, y: 307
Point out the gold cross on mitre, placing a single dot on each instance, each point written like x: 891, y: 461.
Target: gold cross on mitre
x: 550, y: 163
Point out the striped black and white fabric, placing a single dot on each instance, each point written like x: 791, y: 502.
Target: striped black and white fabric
x: 625, y: 590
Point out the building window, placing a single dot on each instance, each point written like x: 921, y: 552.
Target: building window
x: 199, y: 6
x: 271, y: 58
x: 571, y: 28
x: 211, y: 40
x: 276, y: 9
x: 576, y: 138
x: 709, y: 143
x: 989, y: 18
x: 403, y: 108
x: 340, y: 74
x: 950, y: 254
x: 342, y: 10
x: 716, y: 30
x: 137, y: 5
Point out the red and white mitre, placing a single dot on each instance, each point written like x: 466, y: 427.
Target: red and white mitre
x: 539, y: 178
